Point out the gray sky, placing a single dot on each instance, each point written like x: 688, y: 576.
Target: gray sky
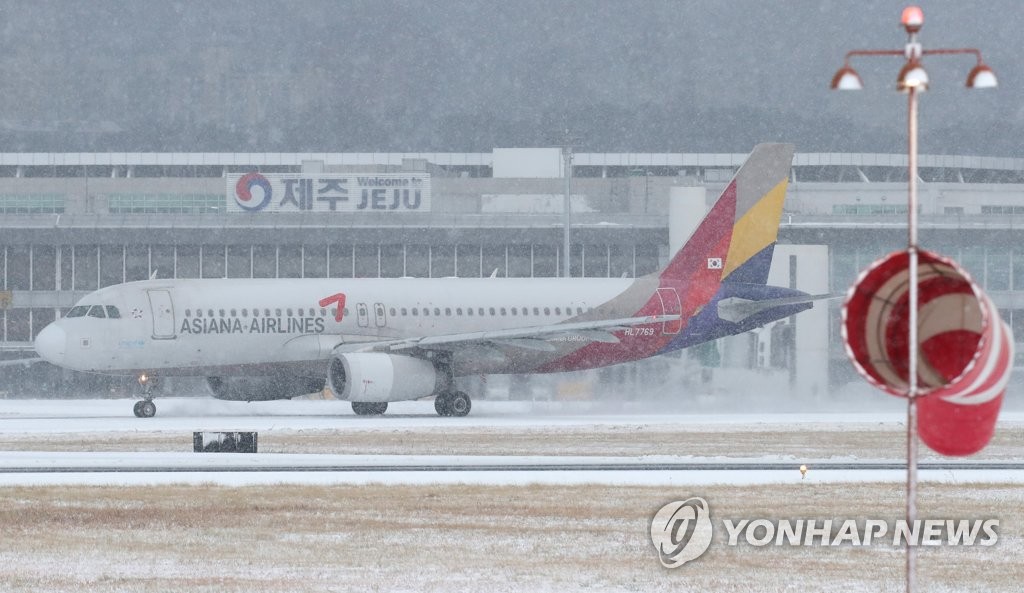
x: 470, y: 75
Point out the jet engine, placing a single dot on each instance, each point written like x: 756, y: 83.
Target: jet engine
x: 262, y: 388
x: 378, y: 377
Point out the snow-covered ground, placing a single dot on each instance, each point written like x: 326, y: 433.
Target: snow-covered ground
x: 45, y: 420
x: 41, y: 416
x: 470, y: 529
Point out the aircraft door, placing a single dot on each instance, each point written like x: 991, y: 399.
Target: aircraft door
x: 670, y: 306
x: 362, y: 315
x: 379, y: 315
x: 163, y: 314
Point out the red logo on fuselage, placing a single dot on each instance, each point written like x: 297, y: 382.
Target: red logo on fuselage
x: 339, y: 300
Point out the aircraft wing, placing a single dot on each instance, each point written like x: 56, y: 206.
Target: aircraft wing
x: 533, y: 338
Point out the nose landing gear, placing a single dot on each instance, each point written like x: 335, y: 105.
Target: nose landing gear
x: 146, y: 408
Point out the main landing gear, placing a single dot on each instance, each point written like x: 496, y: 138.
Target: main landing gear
x: 146, y: 408
x: 452, y: 403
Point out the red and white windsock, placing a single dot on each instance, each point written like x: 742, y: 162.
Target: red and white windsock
x: 965, y: 351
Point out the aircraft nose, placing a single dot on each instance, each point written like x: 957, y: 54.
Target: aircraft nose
x: 50, y: 344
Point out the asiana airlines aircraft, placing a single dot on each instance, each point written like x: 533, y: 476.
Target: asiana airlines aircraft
x: 379, y: 340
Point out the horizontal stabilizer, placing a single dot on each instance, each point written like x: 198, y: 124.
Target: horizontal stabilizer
x: 736, y: 309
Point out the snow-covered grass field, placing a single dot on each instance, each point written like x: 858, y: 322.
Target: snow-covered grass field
x: 401, y: 532
x: 469, y: 538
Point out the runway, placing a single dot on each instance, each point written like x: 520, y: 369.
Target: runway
x: 225, y: 462
x: 501, y: 443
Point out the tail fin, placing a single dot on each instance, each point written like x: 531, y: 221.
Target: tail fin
x: 735, y: 241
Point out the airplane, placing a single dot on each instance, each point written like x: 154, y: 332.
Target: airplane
x: 379, y: 340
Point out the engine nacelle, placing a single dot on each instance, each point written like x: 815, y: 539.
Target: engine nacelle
x: 262, y: 388
x: 378, y: 377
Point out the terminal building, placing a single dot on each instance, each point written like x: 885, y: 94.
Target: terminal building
x: 74, y: 222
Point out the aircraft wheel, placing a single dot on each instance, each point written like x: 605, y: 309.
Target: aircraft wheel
x: 145, y: 409
x: 442, y: 404
x: 459, y: 404
x: 138, y: 409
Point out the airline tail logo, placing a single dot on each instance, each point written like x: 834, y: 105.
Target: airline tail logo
x: 681, y: 531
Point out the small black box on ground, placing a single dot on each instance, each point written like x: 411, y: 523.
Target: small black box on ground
x: 224, y: 442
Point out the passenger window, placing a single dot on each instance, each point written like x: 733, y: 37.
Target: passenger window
x: 536, y: 311
x: 469, y: 311
x: 221, y: 312
x: 547, y: 311
x: 245, y: 312
x: 234, y: 313
x: 458, y: 311
x: 415, y: 312
x: 579, y: 310
x: 393, y: 313
x: 78, y: 311
x: 480, y: 311
x: 334, y: 312
x: 323, y: 312
x: 437, y: 312
x: 426, y: 312
x: 97, y: 311
x: 491, y: 310
x: 503, y: 311
x: 558, y: 310
x: 447, y: 312
x: 210, y: 311
x: 344, y: 312
x: 266, y: 312
x: 277, y: 312
x: 199, y: 312
x: 112, y: 312
x: 515, y: 310
x: 290, y: 312
x: 404, y: 312
x: 188, y: 313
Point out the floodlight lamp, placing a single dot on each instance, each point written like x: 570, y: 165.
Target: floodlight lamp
x: 982, y: 77
x: 912, y: 76
x: 847, y: 79
x: 912, y: 19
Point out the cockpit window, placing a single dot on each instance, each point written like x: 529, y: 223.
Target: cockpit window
x: 112, y: 312
x: 97, y: 311
x: 78, y: 311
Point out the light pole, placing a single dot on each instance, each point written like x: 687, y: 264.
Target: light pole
x: 912, y: 80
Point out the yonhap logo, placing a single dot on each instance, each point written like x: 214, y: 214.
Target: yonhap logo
x: 681, y: 531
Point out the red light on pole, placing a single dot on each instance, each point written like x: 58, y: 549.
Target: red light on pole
x: 912, y: 19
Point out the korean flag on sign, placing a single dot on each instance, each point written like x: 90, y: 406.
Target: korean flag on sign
x: 714, y: 263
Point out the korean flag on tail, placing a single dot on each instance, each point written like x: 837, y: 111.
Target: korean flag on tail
x: 714, y: 263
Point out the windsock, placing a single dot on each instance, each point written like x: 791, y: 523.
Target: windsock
x: 965, y: 351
